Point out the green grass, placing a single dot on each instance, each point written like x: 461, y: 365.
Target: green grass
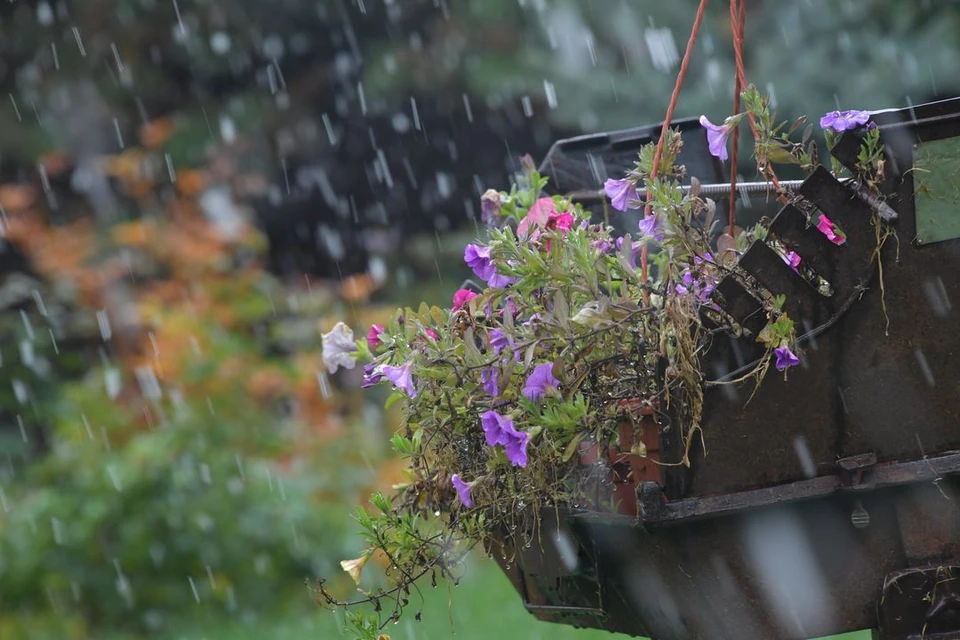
x: 484, y: 606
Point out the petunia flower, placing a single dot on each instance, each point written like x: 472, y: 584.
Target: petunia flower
x: 373, y: 336
x: 620, y: 192
x: 650, y: 227
x: 602, y: 245
x: 339, y: 348
x: 717, y: 135
x: 832, y: 231
x: 431, y: 333
x: 561, y: 221
x: 478, y: 258
x: 793, y: 260
x: 463, y: 490
x: 490, y: 203
x: 401, y: 377
x: 496, y: 428
x: 371, y: 375
x: 540, y: 381
x: 785, y: 358
x: 500, y: 430
x: 840, y: 121
x: 499, y: 340
x: 489, y: 378
x: 462, y: 297
x: 536, y: 218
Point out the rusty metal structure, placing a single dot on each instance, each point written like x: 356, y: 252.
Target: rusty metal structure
x: 829, y: 502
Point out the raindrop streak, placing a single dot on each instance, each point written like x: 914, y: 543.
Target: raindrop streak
x: 114, y: 477
x: 413, y: 107
x: 57, y: 531
x: 551, y: 94
x: 193, y: 587
x: 466, y: 105
x: 240, y: 468
x: 324, y: 385
x: 176, y: 8
x: 925, y: 367
x: 527, y: 106
x: 362, y: 98
x: 56, y: 58
x: 16, y: 109
x: 806, y: 459
x: 103, y: 321
x: 76, y: 36
x: 213, y: 582
x: 173, y: 174
x: 23, y: 429
x: 116, y: 127
x: 53, y: 341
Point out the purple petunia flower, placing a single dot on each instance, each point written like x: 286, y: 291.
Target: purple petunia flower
x: 496, y: 428
x: 650, y: 228
x: 620, y: 192
x: 717, y: 135
x: 371, y: 375
x: 540, y: 381
x: 516, y: 449
x: 785, y: 358
x: 840, y: 121
x: 478, y: 258
x: 602, y: 245
x: 499, y: 340
x: 635, y: 251
x: 500, y: 430
x: 489, y: 378
x: 463, y: 490
x: 400, y: 377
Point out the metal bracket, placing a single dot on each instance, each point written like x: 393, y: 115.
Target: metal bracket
x: 920, y: 604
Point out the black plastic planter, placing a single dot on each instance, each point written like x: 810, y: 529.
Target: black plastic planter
x: 830, y: 502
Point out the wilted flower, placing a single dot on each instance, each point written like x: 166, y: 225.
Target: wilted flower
x: 489, y: 379
x: 620, y: 192
x: 844, y: 120
x: 536, y: 219
x: 339, y: 348
x: 717, y: 135
x: 490, y: 204
x: 373, y: 336
x: 355, y: 566
x: 400, y: 377
x: 785, y: 358
x: 371, y: 375
x: 540, y: 381
x: 832, y: 231
x: 462, y: 297
x: 463, y: 490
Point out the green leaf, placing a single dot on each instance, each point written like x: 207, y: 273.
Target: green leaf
x: 572, y: 447
x: 394, y: 398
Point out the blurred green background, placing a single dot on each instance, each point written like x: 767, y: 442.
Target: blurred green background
x: 192, y: 191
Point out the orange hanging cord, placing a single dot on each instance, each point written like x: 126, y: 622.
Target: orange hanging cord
x: 666, y: 125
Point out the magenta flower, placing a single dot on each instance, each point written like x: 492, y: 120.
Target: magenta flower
x: 463, y: 490
x: 536, y: 218
x: 462, y: 297
x: 620, y: 192
x: 793, y: 260
x: 562, y: 221
x: 785, y: 358
x: 400, y: 377
x: 540, y: 381
x: 431, y: 333
x: 832, y: 231
x: 489, y: 378
x: 373, y: 336
x: 717, y: 135
x: 650, y: 227
x: 840, y: 121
